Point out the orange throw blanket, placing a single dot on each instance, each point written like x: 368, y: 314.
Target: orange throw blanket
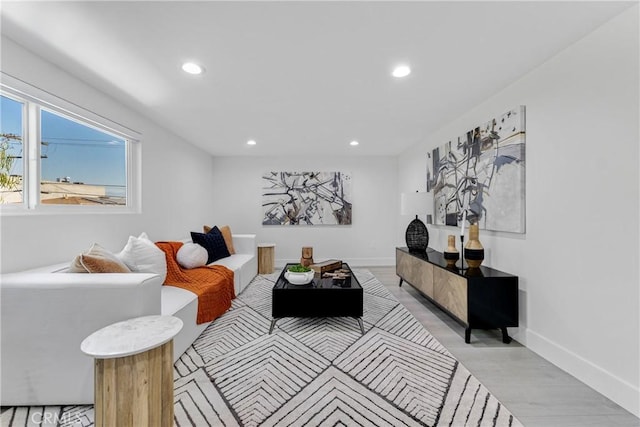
x: 213, y: 284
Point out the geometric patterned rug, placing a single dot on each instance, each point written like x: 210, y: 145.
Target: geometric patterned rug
x: 314, y: 372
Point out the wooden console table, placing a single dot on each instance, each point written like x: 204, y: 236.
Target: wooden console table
x: 478, y: 298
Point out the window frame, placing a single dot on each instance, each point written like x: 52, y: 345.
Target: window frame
x: 34, y: 100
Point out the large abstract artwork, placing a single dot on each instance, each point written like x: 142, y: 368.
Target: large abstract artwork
x: 483, y: 173
x: 306, y: 198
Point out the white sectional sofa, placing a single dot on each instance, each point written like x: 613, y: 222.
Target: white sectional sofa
x: 45, y: 313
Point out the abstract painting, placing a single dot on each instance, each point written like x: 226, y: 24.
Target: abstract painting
x: 306, y: 198
x: 483, y: 173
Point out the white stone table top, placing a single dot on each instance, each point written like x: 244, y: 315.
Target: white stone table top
x: 131, y: 336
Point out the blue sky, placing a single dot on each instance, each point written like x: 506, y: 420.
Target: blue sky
x: 74, y: 150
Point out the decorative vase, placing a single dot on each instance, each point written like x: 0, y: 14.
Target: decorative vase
x: 307, y: 256
x: 451, y: 254
x: 417, y: 236
x: 473, y: 250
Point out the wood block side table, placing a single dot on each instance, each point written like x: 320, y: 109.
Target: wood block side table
x: 266, y: 258
x: 134, y: 371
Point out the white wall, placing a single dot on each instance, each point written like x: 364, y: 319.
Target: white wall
x: 237, y: 189
x: 578, y: 261
x: 175, y: 181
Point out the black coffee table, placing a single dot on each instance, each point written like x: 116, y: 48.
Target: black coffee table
x: 321, y: 298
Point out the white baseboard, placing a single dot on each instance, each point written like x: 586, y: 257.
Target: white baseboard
x: 618, y: 390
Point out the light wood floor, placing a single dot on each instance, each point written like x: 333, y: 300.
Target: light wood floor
x: 534, y: 390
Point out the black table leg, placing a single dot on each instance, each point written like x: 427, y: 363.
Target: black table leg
x: 467, y: 335
x: 505, y: 336
x: 361, y: 325
x: 273, y: 323
x: 400, y: 284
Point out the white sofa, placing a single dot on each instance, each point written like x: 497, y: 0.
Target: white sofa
x: 45, y: 314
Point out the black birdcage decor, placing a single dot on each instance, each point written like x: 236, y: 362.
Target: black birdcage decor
x: 417, y: 236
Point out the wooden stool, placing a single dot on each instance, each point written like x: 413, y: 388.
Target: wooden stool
x: 266, y: 258
x: 134, y: 371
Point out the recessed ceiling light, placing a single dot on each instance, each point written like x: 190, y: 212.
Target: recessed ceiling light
x: 401, y: 71
x: 354, y: 143
x: 251, y: 142
x: 192, y: 68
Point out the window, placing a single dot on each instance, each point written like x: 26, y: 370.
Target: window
x: 57, y: 154
x: 80, y: 165
x: 11, y: 125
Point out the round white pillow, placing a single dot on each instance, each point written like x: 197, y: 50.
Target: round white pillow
x: 192, y: 255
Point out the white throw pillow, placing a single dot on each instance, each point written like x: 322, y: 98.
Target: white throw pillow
x: 192, y: 255
x: 141, y: 255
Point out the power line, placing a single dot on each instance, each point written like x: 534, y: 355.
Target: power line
x: 75, y: 144
x: 86, y: 139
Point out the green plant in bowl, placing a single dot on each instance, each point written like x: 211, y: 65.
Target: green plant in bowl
x: 299, y: 268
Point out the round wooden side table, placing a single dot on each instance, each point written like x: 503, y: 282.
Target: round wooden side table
x: 266, y: 258
x: 134, y: 371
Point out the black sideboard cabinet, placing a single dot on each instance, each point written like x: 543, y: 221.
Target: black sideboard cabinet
x: 478, y: 298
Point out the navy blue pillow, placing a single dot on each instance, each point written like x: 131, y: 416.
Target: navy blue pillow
x: 213, y: 242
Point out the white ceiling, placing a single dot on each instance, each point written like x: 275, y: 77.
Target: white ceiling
x: 301, y: 77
